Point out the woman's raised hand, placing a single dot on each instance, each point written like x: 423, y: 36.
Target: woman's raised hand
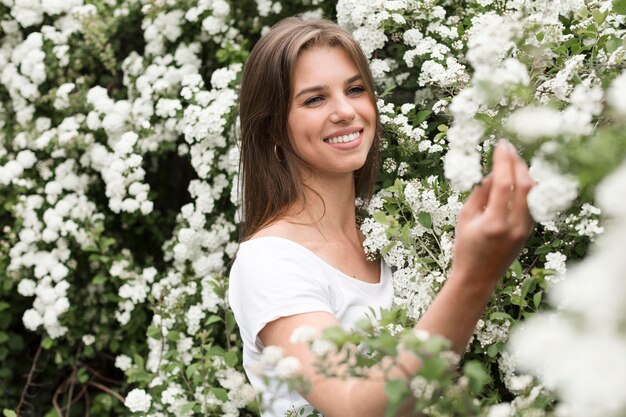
x: 494, y: 222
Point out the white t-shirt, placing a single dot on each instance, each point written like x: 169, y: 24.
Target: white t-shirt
x: 275, y: 277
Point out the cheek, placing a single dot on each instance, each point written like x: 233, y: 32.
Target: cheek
x: 368, y: 110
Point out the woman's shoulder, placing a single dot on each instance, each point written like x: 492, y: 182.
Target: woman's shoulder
x: 276, y: 246
x: 281, y: 232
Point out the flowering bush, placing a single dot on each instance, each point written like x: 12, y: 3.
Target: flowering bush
x: 118, y: 170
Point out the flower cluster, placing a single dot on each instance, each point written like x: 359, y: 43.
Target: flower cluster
x: 588, y: 320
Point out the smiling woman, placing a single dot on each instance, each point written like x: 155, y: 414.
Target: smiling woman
x: 332, y: 120
x: 310, y: 145
x: 270, y: 163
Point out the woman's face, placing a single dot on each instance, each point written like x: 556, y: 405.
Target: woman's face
x: 332, y: 120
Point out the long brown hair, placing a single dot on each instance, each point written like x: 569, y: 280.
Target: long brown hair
x: 269, y: 164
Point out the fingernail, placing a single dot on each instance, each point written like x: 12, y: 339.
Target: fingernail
x: 510, y: 147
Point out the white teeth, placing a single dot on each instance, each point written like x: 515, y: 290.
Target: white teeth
x: 344, y: 138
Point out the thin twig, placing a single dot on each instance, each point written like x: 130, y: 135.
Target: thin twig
x: 82, y: 392
x: 55, y: 402
x: 68, y: 403
x: 100, y: 376
x: 107, y: 390
x: 28, y: 380
x: 87, y: 406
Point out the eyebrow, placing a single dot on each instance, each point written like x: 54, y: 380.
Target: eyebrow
x: 324, y: 87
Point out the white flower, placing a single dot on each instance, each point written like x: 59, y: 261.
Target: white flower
x: 500, y: 410
x: 26, y: 287
x: 26, y: 158
x: 126, y: 143
x: 171, y: 394
x: 32, y: 319
x: 556, y: 262
x: 303, y: 334
x: 610, y: 192
x: 89, y: 339
x: 531, y: 123
x: 287, y: 367
x: 553, y: 193
x: 221, y: 77
x: 193, y: 317
x: 272, y: 354
x: 138, y: 401
x: 616, y: 95
x: 321, y: 347
x: 462, y: 168
x: 123, y: 362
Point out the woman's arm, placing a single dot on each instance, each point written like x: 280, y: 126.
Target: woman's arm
x: 492, y: 227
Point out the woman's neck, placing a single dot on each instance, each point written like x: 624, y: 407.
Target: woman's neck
x: 329, y: 207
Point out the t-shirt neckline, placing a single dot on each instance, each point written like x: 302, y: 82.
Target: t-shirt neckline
x: 323, y: 262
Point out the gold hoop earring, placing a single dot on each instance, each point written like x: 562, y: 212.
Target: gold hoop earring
x: 276, y: 153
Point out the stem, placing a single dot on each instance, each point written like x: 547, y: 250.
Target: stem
x: 68, y: 402
x: 107, y: 390
x: 432, y: 255
x: 29, y: 379
x: 55, y: 402
x: 87, y: 406
x: 99, y: 375
x: 80, y: 395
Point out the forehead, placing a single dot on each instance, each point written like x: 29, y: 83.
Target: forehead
x: 323, y: 64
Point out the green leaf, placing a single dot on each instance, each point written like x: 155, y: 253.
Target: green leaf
x: 212, y: 319
x: 598, y: 16
x: 3, y: 337
x: 154, y: 332
x: 8, y: 413
x: 396, y: 391
x: 191, y: 369
x: 83, y: 375
x: 619, y: 7
x: 405, y: 234
x: 220, y: 393
x: 230, y: 321
x: 47, y: 343
x: 4, y: 305
x: 477, y: 376
x: 421, y: 116
x: 537, y: 299
x: 381, y: 217
x: 138, y: 359
x: 613, y: 44
x: 516, y: 267
x: 231, y: 359
x: 187, y: 407
x: 424, y: 219
x: 98, y: 280
x: 500, y: 315
x: 493, y: 350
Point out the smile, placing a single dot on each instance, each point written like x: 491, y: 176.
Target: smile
x: 345, y: 138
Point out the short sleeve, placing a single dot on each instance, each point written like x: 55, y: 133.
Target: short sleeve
x: 272, y: 279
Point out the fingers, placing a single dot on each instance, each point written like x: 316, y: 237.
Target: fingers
x: 504, y: 158
x: 523, y: 184
x: 479, y: 197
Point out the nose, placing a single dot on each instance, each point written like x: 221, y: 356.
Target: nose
x: 343, y: 111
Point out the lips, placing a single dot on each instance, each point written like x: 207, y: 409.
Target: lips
x: 344, y: 138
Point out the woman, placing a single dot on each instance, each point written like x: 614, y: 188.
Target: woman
x: 310, y: 146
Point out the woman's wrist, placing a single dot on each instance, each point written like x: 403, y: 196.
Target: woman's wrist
x: 472, y: 283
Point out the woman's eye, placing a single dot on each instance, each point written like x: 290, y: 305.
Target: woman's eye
x: 356, y: 90
x: 313, y: 101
